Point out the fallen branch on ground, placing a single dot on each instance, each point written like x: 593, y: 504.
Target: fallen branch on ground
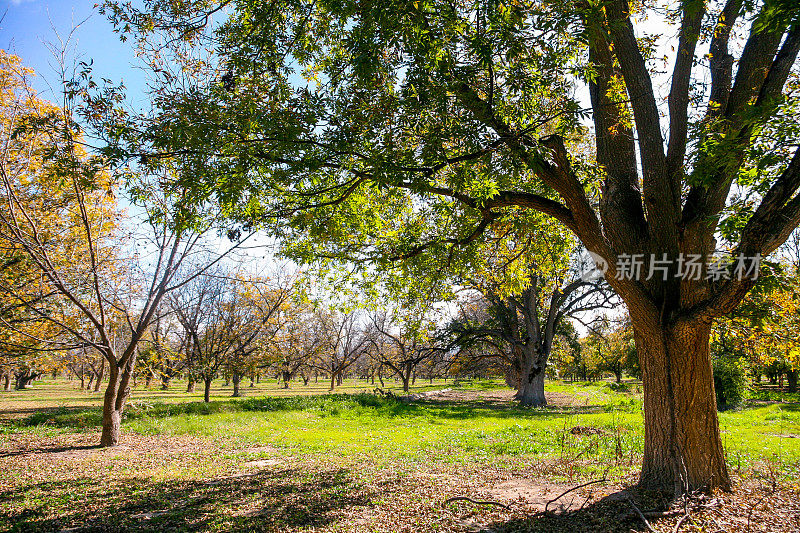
x: 476, y: 502
x: 574, y: 489
x: 641, y: 515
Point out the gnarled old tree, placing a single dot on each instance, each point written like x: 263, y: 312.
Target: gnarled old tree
x: 416, y: 125
x: 527, y: 322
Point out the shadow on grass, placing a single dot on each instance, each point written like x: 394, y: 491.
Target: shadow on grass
x: 750, y: 405
x: 330, y: 405
x: 54, y: 449
x: 263, y: 501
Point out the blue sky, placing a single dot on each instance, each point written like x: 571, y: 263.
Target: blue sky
x: 27, y: 24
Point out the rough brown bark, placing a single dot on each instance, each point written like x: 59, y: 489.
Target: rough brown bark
x: 237, y: 379
x: 531, y: 389
x: 207, y: 390
x: 190, y: 385
x: 117, y: 392
x: 112, y: 418
x: 682, y: 448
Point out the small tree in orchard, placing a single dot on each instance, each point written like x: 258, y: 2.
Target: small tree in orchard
x: 298, y: 344
x: 416, y: 125
x: 611, y: 345
x: 60, y: 210
x: 410, y: 341
x: 347, y: 338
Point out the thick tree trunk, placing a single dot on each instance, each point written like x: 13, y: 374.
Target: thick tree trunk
x: 618, y: 375
x: 7, y: 382
x: 190, y: 385
x: 529, y: 367
x: 237, y: 379
x: 333, y: 382
x: 791, y: 377
x: 682, y: 448
x: 531, y: 390
x: 165, y: 380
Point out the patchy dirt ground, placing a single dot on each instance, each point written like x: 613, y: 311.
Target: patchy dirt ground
x: 65, y: 483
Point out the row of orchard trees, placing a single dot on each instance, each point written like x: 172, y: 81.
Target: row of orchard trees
x: 107, y: 272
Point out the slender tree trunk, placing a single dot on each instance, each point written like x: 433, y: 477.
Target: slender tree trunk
x: 91, y: 380
x: 258, y: 378
x: 207, y: 389
x: 190, y: 385
x: 112, y: 418
x: 100, y: 373
x: 333, y: 381
x: 7, y: 382
x: 340, y: 378
x: 618, y: 375
x: 682, y: 447
x: 117, y: 392
x: 252, y: 381
x: 237, y: 379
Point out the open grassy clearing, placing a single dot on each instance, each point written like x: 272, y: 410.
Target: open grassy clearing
x: 282, y: 460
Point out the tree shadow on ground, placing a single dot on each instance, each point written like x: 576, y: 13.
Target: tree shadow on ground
x: 51, y: 449
x: 269, y: 500
x: 611, y: 514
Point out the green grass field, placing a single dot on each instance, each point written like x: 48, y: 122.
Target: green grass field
x: 302, y: 459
